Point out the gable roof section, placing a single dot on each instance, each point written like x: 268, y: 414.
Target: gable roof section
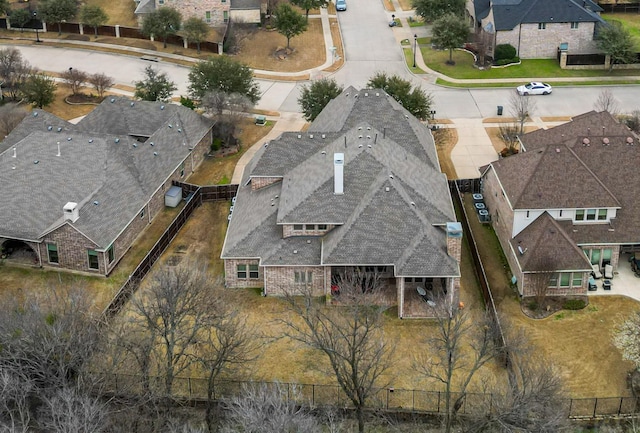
x: 36, y: 120
x: 353, y: 109
x: 508, y: 14
x: 545, y: 243
x: 551, y: 178
x: 117, y: 172
x: 245, y: 4
x: 592, y: 125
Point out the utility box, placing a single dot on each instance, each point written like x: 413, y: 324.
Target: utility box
x: 173, y: 197
x: 261, y: 120
x: 500, y: 109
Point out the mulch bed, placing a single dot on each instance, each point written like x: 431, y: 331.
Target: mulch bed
x: 549, y: 307
x: 82, y: 98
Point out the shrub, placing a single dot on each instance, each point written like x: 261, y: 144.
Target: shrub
x: 187, y: 102
x: 533, y: 305
x: 216, y: 145
x: 574, y: 304
x: 506, y: 61
x: 504, y: 51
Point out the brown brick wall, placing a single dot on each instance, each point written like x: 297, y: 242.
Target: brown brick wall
x: 231, y: 276
x: 539, y: 44
x: 615, y: 253
x: 261, y: 182
x: 278, y: 280
x: 72, y: 250
x: 568, y: 291
x: 288, y: 231
x: 198, y: 8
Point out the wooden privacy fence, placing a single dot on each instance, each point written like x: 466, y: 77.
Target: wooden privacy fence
x: 194, y: 195
x: 194, y: 390
x: 473, y: 186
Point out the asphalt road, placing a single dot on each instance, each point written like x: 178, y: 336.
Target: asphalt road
x: 368, y: 48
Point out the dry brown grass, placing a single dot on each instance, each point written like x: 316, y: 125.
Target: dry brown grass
x: 337, y: 42
x: 388, y: 5
x: 446, y: 139
x: 494, y: 134
x: 556, y: 119
x: 577, y: 342
x: 67, y: 111
x: 119, y: 12
x: 259, y: 51
x: 405, y: 5
x: 218, y: 170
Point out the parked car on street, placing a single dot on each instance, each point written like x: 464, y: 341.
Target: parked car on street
x: 534, y: 88
x: 341, y: 5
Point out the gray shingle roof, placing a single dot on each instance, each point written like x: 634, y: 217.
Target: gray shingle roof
x: 245, y: 4
x: 395, y: 202
x: 508, y: 14
x: 92, y: 167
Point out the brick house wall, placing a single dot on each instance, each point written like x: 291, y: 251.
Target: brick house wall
x: 615, y: 252
x: 568, y: 291
x: 231, y: 274
x: 261, y: 182
x: 73, y: 249
x: 288, y: 231
x: 199, y: 9
x: 279, y: 279
x: 533, y: 43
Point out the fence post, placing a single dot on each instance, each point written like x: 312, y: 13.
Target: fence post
x: 413, y: 399
x: 620, y: 406
x: 438, y: 401
x: 595, y: 407
x: 313, y: 395
x: 189, y: 382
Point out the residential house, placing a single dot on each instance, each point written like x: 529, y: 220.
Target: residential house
x: 213, y: 12
x: 360, y: 191
x: 536, y: 28
x: 77, y: 196
x: 567, y: 202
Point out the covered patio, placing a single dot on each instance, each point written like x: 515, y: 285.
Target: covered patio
x: 624, y: 282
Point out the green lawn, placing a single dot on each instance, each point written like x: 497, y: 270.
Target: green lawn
x: 631, y: 22
x: 537, y: 68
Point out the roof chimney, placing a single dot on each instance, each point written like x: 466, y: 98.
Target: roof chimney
x: 338, y: 173
x: 71, y: 212
x: 454, y: 240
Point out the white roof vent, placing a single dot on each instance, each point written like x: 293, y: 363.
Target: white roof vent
x: 605, y: 141
x: 629, y: 140
x: 311, y: 136
x: 586, y: 141
x: 71, y: 212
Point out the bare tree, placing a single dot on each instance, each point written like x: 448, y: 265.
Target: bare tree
x: 230, y: 342
x: 607, y: 102
x: 522, y: 107
x: 539, y: 279
x: 14, y: 71
x: 71, y: 412
x: 454, y: 356
x: 176, y: 308
x: 48, y: 340
x: 101, y: 83
x: 15, y: 411
x: 10, y: 116
x: 228, y: 109
x: 269, y: 408
x: 508, y: 133
x: 351, y: 336
x: 74, y: 79
x: 531, y: 401
x: 626, y: 338
x: 632, y: 120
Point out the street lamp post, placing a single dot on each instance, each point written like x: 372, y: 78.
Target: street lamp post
x: 35, y: 17
x: 415, y: 47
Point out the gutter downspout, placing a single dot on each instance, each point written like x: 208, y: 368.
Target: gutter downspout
x: 519, y: 37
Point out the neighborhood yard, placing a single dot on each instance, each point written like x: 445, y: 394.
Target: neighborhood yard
x: 631, y: 22
x: 579, y: 342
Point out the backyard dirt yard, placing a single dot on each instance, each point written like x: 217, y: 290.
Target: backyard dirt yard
x: 579, y: 343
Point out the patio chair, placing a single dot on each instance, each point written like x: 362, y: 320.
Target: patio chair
x: 596, y: 272
x: 592, y: 284
x: 608, y: 272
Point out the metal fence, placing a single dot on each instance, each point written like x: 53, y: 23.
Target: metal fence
x: 194, y: 390
x: 194, y: 195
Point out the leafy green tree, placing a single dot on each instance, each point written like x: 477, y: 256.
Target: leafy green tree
x: 39, y: 89
x: 195, y: 30
x: 288, y: 22
x: 431, y: 10
x: 155, y: 87
x: 449, y: 31
x: 161, y: 23
x: 19, y: 18
x: 223, y: 74
x: 317, y: 95
x: 57, y: 11
x: 94, y: 16
x: 416, y: 101
x: 4, y: 7
x: 617, y: 42
x: 310, y: 4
